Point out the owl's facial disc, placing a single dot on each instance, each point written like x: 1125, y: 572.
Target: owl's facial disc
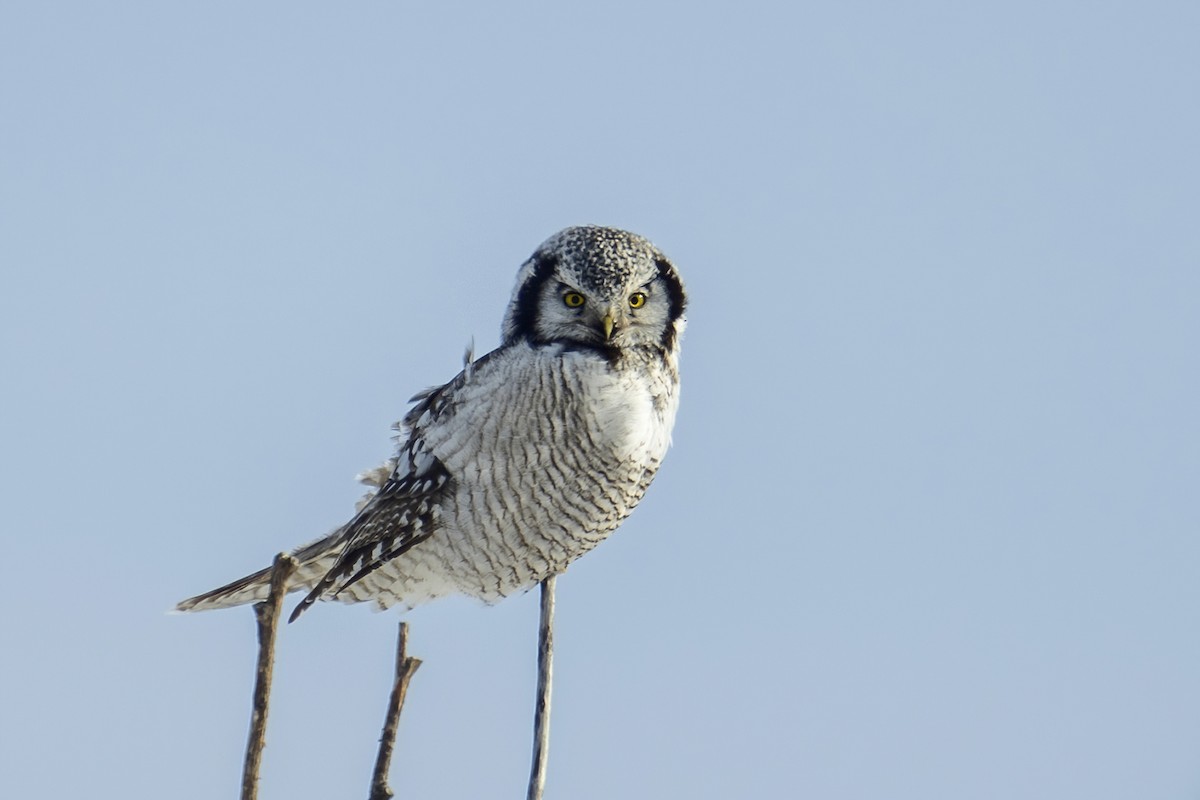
x: 597, y: 287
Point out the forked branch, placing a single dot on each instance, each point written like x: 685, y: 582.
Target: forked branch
x: 405, y: 668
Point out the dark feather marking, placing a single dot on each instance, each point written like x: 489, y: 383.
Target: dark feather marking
x: 676, y: 297
x: 361, y: 534
x: 526, y: 303
x: 609, y: 352
x: 436, y: 399
x: 379, y: 561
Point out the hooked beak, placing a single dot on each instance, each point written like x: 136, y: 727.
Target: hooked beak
x: 608, y: 325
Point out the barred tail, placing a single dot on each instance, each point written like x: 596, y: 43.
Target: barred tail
x: 314, y: 559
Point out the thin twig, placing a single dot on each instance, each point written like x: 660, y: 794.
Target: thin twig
x: 267, y: 615
x: 541, y: 717
x: 405, y: 668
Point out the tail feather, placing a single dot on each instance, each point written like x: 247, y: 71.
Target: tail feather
x: 314, y: 561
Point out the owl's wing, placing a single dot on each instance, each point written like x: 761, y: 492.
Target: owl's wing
x: 404, y: 512
x: 395, y: 518
x: 401, y: 515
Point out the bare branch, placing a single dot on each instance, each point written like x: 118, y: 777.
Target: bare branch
x: 405, y: 668
x: 267, y: 615
x: 541, y: 718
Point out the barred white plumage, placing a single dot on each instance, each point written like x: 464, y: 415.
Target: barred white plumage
x: 532, y: 455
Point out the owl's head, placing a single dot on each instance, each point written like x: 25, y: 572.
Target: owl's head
x: 596, y: 287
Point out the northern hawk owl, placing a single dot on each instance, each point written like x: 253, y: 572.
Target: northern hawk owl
x: 529, y: 457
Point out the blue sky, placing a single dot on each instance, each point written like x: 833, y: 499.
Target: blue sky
x: 929, y: 527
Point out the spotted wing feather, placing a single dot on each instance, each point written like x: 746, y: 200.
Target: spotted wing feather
x: 400, y: 516
x: 390, y: 521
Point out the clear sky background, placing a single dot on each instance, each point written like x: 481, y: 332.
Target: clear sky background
x: 931, y: 524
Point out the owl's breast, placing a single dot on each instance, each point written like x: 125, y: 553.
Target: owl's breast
x: 548, y: 452
x: 541, y: 412
x: 625, y: 413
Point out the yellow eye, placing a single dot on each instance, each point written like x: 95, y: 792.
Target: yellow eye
x: 573, y: 299
x: 637, y: 300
